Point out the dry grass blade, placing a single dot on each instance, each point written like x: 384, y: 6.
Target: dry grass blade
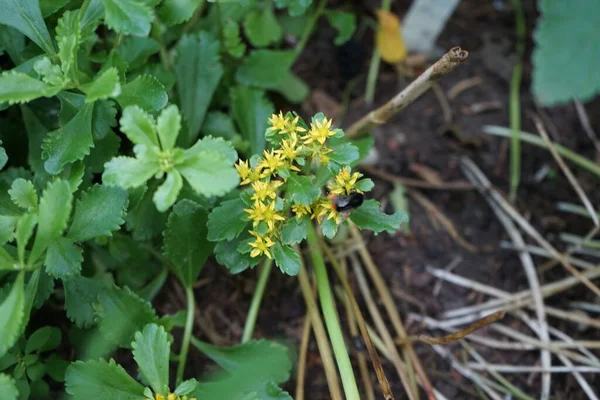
x: 587, y: 126
x: 302, y: 359
x: 453, y: 337
x: 380, y: 116
x: 460, y: 185
x: 475, y: 174
x: 525, y: 369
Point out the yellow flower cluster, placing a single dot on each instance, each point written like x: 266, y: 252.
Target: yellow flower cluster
x: 171, y: 396
x: 344, y: 183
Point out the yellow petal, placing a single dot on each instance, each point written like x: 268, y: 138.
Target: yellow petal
x: 389, y: 38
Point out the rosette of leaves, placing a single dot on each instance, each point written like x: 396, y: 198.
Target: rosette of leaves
x: 207, y: 166
x: 242, y: 377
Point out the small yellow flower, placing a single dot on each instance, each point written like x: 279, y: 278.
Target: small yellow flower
x: 319, y: 132
x: 264, y: 212
x: 318, y: 151
x: 326, y: 208
x: 289, y: 148
x: 264, y: 190
x: 243, y: 169
x: 291, y: 126
x: 171, y: 396
x: 344, y: 182
x: 271, y: 161
x: 260, y: 245
x: 249, y: 175
x: 301, y: 210
x: 278, y: 122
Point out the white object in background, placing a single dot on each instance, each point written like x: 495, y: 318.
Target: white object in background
x: 424, y: 22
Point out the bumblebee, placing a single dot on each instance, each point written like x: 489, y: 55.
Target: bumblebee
x: 346, y: 203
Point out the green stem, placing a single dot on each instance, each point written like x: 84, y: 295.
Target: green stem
x: 187, y: 333
x: 309, y: 29
x: 515, y: 104
x: 256, y: 300
x: 332, y: 322
x: 375, y: 62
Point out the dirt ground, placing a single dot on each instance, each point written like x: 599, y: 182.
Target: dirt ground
x: 418, y: 136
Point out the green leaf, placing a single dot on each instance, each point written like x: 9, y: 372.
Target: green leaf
x: 100, y: 211
x: 294, y: 230
x: 198, y: 71
x: 218, y: 124
x: 168, y: 126
x: 265, y: 68
x: 302, y: 190
x: 128, y: 172
x: 101, y: 380
x: 11, y: 313
x: 3, y: 156
x: 293, y: 88
x: 105, y: 86
x: 50, y: 73
x: 329, y: 227
x: 136, y: 50
x: 69, y: 143
x: 139, y: 126
x: 344, y: 22
x: 26, y: 17
x: 23, y: 194
x: 7, y: 262
x: 295, y: 7
x: 80, y: 295
x: 262, y: 28
x: 364, y: 146
x: 565, y: 60
x: 166, y: 194
x: 209, y: 173
x: 227, y: 254
x: 144, y: 220
x: 121, y: 313
x: 63, y: 259
x: 210, y: 144
x: 145, y: 91
x: 370, y: 216
x: 7, y: 388
x: 151, y: 353
x: 226, y: 221
x: 186, y: 245
x: 17, y: 87
x: 49, y: 7
x: 251, y: 110
x: 53, y: 213
x: 232, y: 40
x: 173, y: 12
x: 364, y: 185
x: 286, y: 259
x: 343, y: 153
x: 44, y: 339
x: 68, y: 37
x: 130, y: 17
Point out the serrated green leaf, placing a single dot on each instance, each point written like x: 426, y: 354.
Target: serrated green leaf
x: 209, y: 173
x: 262, y: 28
x: 186, y: 245
x: 103, y: 119
x: 198, y: 71
x: 69, y: 143
x: 7, y: 262
x: 251, y: 110
x: 23, y: 194
x: 370, y: 216
x: 99, y: 212
x: 7, y: 388
x: 166, y: 194
x: 364, y: 185
x: 329, y: 227
x: 128, y: 172
x: 302, y: 190
x: 53, y: 213
x: 101, y: 380
x: 50, y: 73
x: 63, y: 259
x: 23, y: 233
x: 104, y: 150
x: 210, y: 144
x: 80, y: 295
x: 26, y: 17
x: 17, y: 87
x: 218, y: 124
x: 565, y: 60
x: 186, y: 387
x: 294, y: 230
x: 293, y: 88
x: 173, y: 12
x: 344, y: 22
x: 136, y: 50
x: 343, y: 153
x: 130, y: 17
x: 102, y: 87
x: 225, y: 222
x: 151, y: 353
x: 144, y: 91
x: 265, y: 69
x: 168, y: 126
x: 68, y: 37
x: 139, y: 126
x: 145, y: 221
x: 227, y: 255
x: 232, y: 40
x: 295, y: 7
x: 286, y: 259
x: 12, y: 314
x: 121, y: 313
x: 44, y: 339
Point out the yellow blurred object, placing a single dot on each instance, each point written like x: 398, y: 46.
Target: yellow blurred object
x: 389, y: 38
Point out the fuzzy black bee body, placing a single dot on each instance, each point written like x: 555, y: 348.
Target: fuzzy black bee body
x: 345, y: 204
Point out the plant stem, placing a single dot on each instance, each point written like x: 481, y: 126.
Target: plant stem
x: 256, y: 300
x: 309, y: 29
x: 187, y: 333
x: 375, y: 61
x: 515, y: 103
x: 331, y: 318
